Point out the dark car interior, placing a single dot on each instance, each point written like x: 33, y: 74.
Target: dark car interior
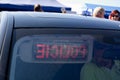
x: 25, y: 67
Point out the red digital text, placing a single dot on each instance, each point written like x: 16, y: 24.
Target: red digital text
x: 60, y: 51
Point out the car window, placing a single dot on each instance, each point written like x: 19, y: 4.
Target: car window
x: 65, y: 56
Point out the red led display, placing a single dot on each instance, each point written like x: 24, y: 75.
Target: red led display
x: 54, y: 51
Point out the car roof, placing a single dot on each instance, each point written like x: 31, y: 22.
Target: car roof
x: 59, y: 20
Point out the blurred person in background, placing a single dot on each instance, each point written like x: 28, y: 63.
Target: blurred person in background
x: 99, y: 12
x: 38, y: 8
x: 63, y: 10
x: 115, y: 15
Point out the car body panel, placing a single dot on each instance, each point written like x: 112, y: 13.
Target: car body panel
x: 44, y: 19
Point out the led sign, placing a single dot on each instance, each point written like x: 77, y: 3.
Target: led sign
x: 55, y: 48
x: 62, y: 49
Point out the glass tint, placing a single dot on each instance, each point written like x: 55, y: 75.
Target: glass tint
x: 61, y: 57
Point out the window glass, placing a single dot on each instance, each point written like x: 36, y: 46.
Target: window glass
x: 66, y: 57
